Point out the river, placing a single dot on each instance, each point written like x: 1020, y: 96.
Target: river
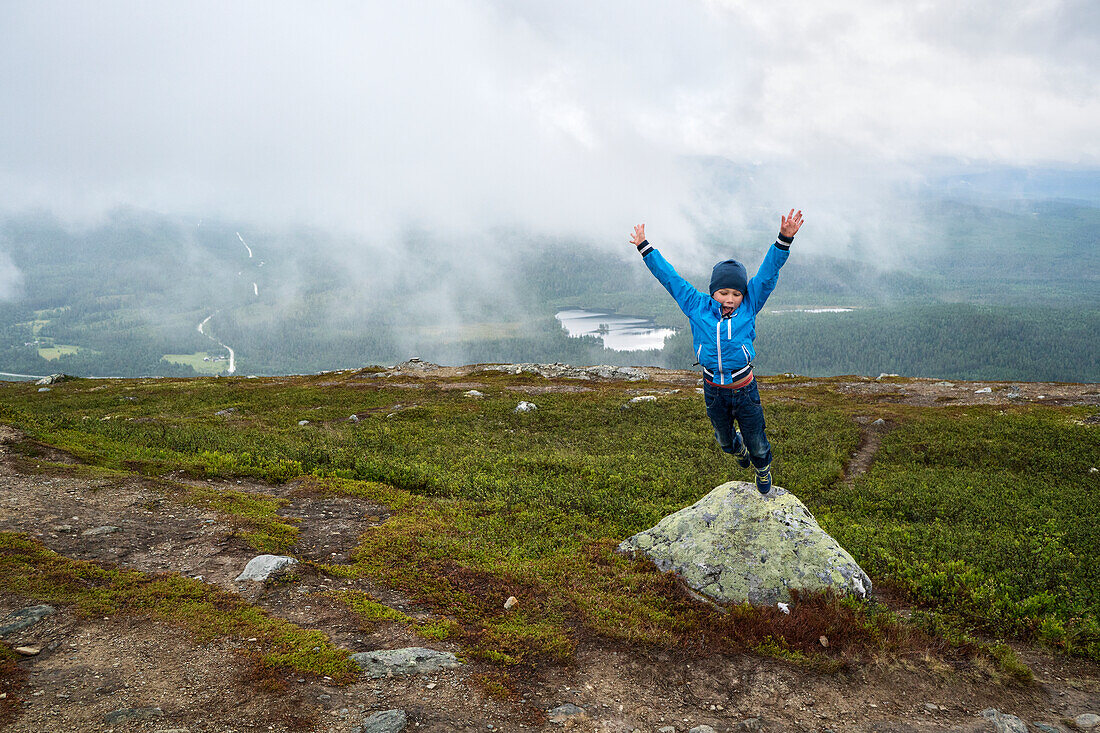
x: 232, y: 355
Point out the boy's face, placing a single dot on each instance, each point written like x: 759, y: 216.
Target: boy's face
x: 729, y: 298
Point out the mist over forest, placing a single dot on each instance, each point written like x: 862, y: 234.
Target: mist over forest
x: 1010, y: 293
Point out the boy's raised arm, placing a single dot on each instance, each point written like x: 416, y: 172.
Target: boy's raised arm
x: 683, y: 292
x: 764, y: 281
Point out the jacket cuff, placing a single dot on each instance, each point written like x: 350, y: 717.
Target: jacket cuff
x: 645, y: 248
x: 783, y: 242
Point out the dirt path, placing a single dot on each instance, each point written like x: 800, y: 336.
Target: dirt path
x: 93, y: 667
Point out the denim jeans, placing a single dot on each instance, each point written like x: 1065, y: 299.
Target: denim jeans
x: 724, y: 406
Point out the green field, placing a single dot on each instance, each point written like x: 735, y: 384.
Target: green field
x: 201, y: 361
x: 984, y: 520
x: 49, y: 353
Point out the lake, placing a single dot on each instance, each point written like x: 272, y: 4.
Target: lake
x: 618, y: 332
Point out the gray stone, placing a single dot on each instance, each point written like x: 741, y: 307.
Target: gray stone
x: 667, y: 729
x: 931, y: 707
x: 749, y: 725
x: 303, y: 422
x: 473, y: 393
x: 525, y: 407
x: 97, y: 531
x: 52, y: 379
x: 43, y: 389
x: 353, y: 418
x: 735, y: 546
x: 132, y: 714
x: 640, y: 399
x: 564, y: 371
x: 1087, y: 721
x: 983, y: 390
x: 1004, y: 723
x: 412, y: 660
x: 702, y: 729
x: 226, y: 412
x: 386, y: 721
x: 24, y: 618
x: 880, y: 423
x: 1048, y: 728
x: 263, y: 567
x: 562, y: 713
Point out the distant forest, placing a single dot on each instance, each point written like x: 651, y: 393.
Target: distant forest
x: 1021, y: 303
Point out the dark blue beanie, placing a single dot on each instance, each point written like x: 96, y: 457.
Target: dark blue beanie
x: 729, y: 274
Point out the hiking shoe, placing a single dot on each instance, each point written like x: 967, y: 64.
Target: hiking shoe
x: 764, y: 479
x: 742, y: 454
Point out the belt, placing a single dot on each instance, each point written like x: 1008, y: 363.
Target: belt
x: 744, y: 381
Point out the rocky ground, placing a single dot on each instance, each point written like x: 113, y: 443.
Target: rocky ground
x: 124, y: 674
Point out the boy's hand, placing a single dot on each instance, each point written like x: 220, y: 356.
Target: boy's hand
x: 639, y: 235
x: 790, y: 223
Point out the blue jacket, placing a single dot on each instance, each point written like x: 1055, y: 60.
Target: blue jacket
x: 723, y: 345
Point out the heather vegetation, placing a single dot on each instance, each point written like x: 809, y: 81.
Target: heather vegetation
x: 959, y: 516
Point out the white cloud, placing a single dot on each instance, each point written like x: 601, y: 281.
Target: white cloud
x: 565, y: 118
x: 11, y: 279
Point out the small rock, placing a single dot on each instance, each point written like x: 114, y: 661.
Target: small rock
x: 525, y: 407
x: 25, y: 618
x: 667, y: 729
x: 931, y: 707
x: 510, y: 602
x: 783, y: 607
x: 386, y: 721
x: 1004, y: 723
x: 474, y: 394
x: 96, y: 531
x: 562, y: 713
x: 1087, y: 721
x: 983, y: 390
x: 640, y: 399
x: 412, y: 660
x: 52, y: 379
x: 353, y: 418
x: 1094, y: 469
x: 880, y: 423
x: 28, y: 651
x: 700, y: 390
x: 748, y: 724
x: 227, y: 411
x: 263, y: 567
x: 43, y: 389
x: 884, y: 375
x: 1048, y: 728
x: 303, y: 422
x: 132, y: 714
x: 943, y: 384
x: 823, y: 640
x: 702, y: 729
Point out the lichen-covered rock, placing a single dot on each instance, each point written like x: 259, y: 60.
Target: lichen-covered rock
x: 735, y: 545
x: 263, y: 567
x: 412, y: 660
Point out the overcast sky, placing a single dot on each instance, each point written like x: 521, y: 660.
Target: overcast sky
x: 562, y: 118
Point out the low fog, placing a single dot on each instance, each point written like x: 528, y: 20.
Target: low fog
x: 449, y: 123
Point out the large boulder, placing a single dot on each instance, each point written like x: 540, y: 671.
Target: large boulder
x: 737, y: 546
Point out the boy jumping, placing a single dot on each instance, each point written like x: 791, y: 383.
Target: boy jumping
x: 723, y: 327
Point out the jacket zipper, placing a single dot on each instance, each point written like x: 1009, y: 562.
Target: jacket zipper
x: 718, y: 343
